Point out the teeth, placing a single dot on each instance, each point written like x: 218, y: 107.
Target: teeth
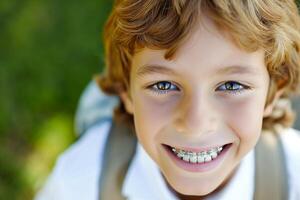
x: 180, y: 154
x: 214, y: 155
x: 186, y: 158
x: 220, y: 149
x: 193, y: 159
x: 207, y: 158
x: 200, y: 157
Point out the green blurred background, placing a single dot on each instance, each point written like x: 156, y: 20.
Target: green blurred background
x: 49, y: 51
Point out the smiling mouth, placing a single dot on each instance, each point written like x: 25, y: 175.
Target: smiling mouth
x: 195, y: 156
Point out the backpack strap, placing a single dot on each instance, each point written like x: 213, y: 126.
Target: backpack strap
x: 270, y: 169
x: 119, y: 151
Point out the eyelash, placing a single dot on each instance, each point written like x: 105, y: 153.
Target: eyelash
x: 241, y: 87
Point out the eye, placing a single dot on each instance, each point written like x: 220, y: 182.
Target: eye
x: 162, y: 87
x: 233, y: 87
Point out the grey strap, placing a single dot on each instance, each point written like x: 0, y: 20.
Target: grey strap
x: 119, y: 151
x: 270, y: 170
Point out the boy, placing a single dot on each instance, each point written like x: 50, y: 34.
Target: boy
x: 201, y: 82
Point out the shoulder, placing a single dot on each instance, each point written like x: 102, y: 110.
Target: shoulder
x: 85, y: 154
x: 291, y: 140
x: 291, y: 143
x: 77, y: 170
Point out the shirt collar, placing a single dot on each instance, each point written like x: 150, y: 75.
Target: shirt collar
x: 144, y: 181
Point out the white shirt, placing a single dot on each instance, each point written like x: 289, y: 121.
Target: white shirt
x: 77, y: 171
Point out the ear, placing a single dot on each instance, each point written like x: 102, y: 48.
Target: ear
x: 127, y: 101
x: 269, y: 108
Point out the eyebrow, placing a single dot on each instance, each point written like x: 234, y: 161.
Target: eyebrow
x: 154, y: 69
x: 159, y: 69
x: 237, y: 69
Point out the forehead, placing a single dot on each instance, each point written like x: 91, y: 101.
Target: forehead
x: 206, y: 50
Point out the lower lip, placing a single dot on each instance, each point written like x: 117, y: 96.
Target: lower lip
x: 198, y: 167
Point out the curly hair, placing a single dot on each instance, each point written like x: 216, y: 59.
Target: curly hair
x: 273, y: 26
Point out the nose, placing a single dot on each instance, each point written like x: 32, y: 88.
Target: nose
x: 196, y: 115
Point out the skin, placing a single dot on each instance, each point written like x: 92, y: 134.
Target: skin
x: 198, y: 110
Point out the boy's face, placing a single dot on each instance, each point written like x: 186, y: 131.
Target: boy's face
x: 211, y: 94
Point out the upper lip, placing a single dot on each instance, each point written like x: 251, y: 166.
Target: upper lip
x: 197, y: 149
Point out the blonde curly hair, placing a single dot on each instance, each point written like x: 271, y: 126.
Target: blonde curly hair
x: 273, y: 25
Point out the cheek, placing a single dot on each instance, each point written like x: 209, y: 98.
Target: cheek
x: 150, y: 117
x: 245, y: 118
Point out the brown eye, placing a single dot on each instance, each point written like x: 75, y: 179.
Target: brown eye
x: 163, y: 87
x: 232, y: 87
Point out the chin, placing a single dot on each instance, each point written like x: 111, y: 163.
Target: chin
x: 196, y: 191
x: 191, y: 188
